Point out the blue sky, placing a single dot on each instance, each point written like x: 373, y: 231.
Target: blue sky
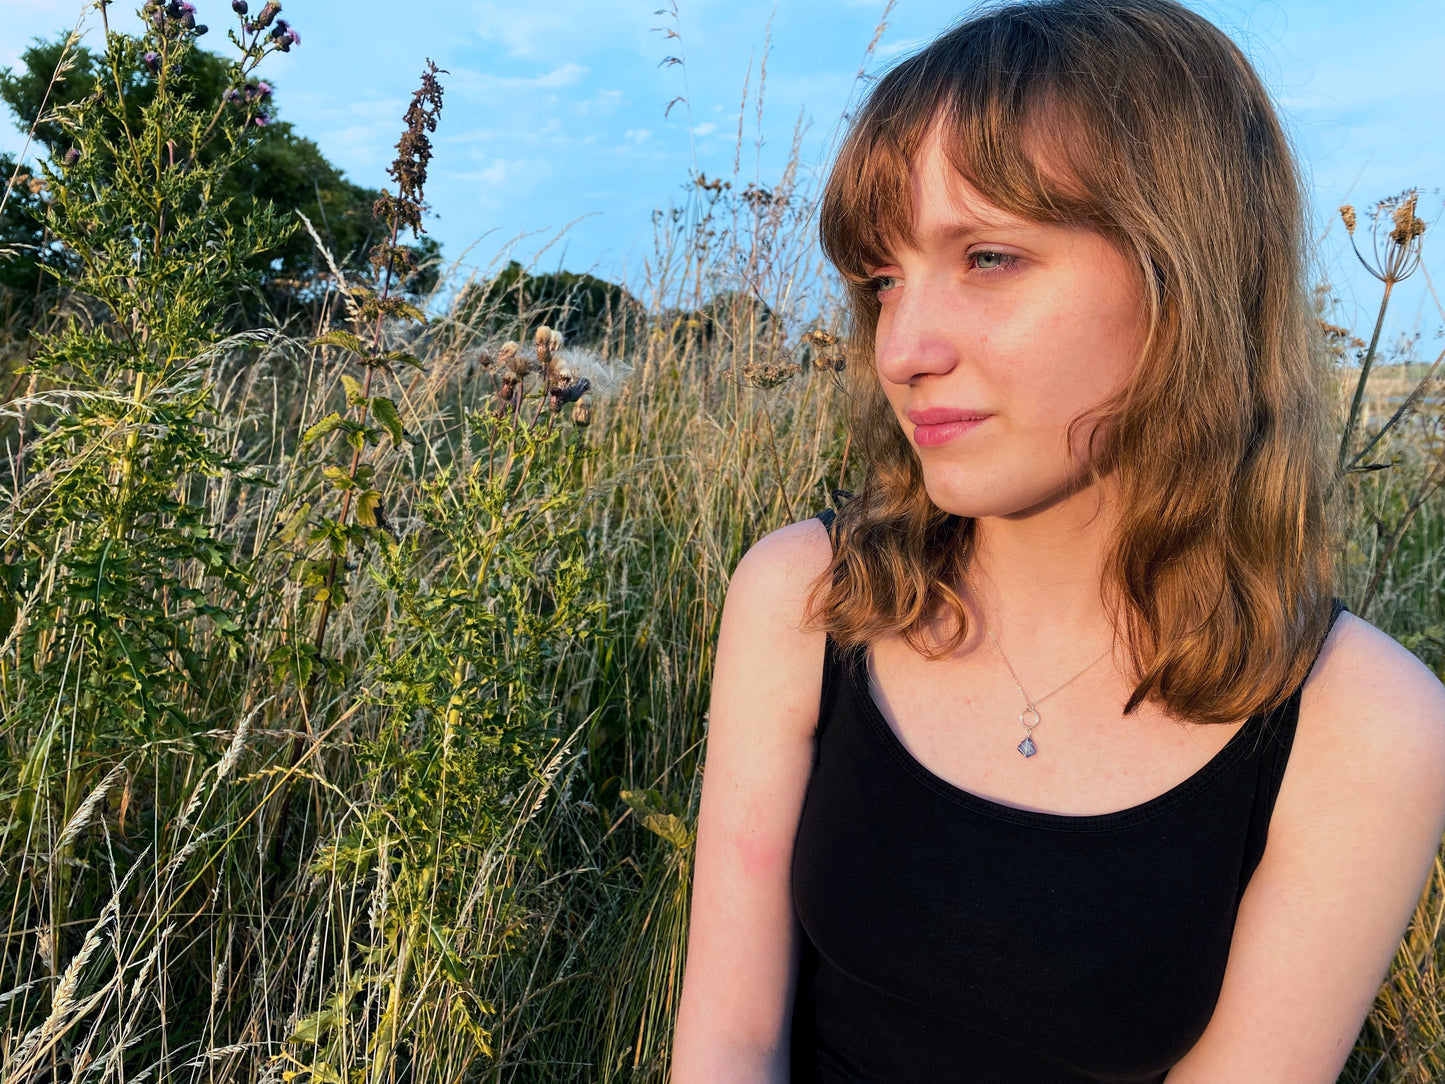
x: 554, y: 116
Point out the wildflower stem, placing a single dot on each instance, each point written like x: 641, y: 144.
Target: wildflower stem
x: 1349, y: 435
x: 1411, y: 401
x: 1433, y: 481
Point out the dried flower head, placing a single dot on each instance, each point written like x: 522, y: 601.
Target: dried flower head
x: 484, y: 359
x: 559, y: 396
x: 1407, y: 225
x: 582, y: 414
x: 827, y: 351
x: 548, y: 343
x: 413, y: 155
x: 266, y: 15
x: 766, y: 375
x: 1347, y: 212
x: 511, y: 358
x: 1395, y: 232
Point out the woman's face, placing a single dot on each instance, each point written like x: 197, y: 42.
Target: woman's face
x: 994, y: 333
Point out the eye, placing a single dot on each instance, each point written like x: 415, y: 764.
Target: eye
x: 986, y: 261
x: 881, y: 284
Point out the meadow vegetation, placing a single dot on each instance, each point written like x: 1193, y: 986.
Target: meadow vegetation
x: 354, y: 661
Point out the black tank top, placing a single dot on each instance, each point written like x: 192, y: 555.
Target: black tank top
x: 949, y: 938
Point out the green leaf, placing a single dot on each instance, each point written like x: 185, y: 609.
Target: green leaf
x: 406, y: 308
x: 386, y: 414
x: 340, y: 477
x: 344, y: 339
x: 366, y: 508
x: 324, y: 427
x: 354, y: 394
x: 297, y: 523
x: 402, y: 357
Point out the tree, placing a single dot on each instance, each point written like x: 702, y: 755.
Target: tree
x: 284, y: 169
x: 516, y: 303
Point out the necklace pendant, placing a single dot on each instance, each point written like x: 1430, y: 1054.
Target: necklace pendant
x: 1027, y: 747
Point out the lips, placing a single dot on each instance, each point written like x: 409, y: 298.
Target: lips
x: 939, y: 425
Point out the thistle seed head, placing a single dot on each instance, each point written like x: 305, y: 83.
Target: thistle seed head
x: 548, y: 343
x: 266, y: 15
x: 1347, y: 212
x: 510, y: 356
x: 582, y: 414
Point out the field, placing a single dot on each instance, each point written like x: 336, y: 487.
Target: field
x: 354, y: 665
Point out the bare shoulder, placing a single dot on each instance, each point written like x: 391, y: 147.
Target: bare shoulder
x: 775, y: 575
x: 764, y: 652
x: 1371, y: 732
x: 1369, y: 694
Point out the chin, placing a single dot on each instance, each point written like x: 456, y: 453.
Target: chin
x: 957, y: 497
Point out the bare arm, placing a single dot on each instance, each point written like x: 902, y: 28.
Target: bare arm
x: 1352, y: 842
x: 737, y: 991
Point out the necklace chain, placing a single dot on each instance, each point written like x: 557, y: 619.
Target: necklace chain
x: 1027, y: 747
x: 1019, y: 684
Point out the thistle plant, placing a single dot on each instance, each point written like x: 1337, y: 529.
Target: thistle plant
x: 126, y: 606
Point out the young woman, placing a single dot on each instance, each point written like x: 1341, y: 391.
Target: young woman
x: 1094, y: 509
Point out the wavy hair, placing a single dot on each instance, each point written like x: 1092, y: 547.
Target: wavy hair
x: 1159, y: 135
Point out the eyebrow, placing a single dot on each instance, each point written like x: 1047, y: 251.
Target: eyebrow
x: 962, y: 227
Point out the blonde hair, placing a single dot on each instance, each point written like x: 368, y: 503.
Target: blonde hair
x: 1162, y: 138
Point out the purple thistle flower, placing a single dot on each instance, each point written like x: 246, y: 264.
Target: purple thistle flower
x: 240, y: 7
x: 187, y: 9
x: 261, y: 120
x: 72, y: 156
x: 295, y: 37
x: 153, y: 61
x: 263, y: 89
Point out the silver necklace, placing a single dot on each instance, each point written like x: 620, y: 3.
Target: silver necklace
x: 1027, y: 748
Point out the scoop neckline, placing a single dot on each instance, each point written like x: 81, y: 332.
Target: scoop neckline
x: 856, y: 665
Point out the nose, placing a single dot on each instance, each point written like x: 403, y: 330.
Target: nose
x: 913, y: 336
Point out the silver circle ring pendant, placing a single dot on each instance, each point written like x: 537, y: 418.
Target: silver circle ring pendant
x: 1030, y: 710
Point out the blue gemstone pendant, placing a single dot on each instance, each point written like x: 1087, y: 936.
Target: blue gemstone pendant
x: 1027, y: 747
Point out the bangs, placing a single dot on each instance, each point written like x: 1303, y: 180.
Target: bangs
x: 1010, y: 119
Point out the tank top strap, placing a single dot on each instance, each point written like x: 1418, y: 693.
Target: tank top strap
x: 1275, y: 741
x: 834, y: 657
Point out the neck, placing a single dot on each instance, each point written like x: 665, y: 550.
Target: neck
x: 1037, y: 575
